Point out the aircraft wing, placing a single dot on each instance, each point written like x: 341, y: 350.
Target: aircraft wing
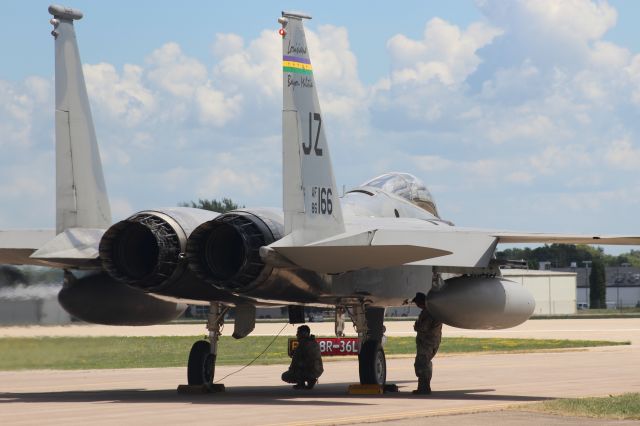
x: 466, y: 244
x: 393, y: 243
x: 540, y: 237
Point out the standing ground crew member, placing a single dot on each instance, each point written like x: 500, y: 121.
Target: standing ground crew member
x: 429, y: 334
x: 306, y: 363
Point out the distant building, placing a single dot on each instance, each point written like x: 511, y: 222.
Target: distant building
x: 553, y: 291
x: 623, y: 285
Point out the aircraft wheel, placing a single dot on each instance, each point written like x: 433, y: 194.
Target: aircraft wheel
x: 201, y: 363
x: 372, y: 363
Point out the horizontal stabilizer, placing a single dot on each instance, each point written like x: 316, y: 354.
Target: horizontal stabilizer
x: 73, y: 247
x: 352, y: 251
x: 385, y: 243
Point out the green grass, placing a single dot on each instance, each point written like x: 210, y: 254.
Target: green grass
x: 71, y: 353
x: 625, y: 406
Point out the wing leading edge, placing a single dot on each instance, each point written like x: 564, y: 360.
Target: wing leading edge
x: 540, y: 237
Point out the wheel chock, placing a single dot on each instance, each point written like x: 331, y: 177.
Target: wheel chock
x: 371, y: 389
x: 200, y: 389
x: 365, y: 390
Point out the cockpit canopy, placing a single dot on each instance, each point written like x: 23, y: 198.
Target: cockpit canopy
x: 407, y: 186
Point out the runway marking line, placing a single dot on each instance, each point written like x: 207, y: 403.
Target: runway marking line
x: 401, y: 415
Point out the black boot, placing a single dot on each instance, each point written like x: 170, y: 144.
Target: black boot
x: 311, y: 383
x: 424, y: 387
x: 299, y: 386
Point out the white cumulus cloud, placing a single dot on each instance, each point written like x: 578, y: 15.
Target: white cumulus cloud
x: 123, y: 96
x: 175, y: 72
x: 446, y: 52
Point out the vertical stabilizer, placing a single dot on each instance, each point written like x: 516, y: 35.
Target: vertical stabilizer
x: 81, y: 195
x: 311, y: 206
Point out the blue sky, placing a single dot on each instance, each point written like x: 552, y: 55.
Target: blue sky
x: 518, y: 115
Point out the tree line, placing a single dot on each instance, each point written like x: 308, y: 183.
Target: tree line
x: 562, y: 255
x: 221, y: 206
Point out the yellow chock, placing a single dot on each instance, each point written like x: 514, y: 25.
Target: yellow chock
x: 200, y: 389
x: 365, y: 390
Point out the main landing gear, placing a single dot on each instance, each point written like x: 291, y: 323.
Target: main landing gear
x: 367, y: 320
x: 201, y: 367
x: 369, y: 324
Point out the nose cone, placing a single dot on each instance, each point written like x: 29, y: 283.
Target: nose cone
x: 481, y: 303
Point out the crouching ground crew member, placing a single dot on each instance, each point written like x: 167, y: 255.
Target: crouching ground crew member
x: 306, y: 363
x: 429, y: 334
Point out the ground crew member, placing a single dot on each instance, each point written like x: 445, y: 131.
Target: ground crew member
x: 306, y: 362
x: 429, y: 334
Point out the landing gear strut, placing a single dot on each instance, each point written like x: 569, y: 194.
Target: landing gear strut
x: 339, y: 321
x: 201, y: 367
x: 372, y: 363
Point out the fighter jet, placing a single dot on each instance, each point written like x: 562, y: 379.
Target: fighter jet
x: 374, y: 247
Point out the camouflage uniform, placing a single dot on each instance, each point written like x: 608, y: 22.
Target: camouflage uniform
x: 306, y: 362
x: 429, y: 334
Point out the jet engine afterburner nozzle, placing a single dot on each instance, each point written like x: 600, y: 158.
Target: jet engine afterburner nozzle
x: 144, y: 250
x: 224, y: 252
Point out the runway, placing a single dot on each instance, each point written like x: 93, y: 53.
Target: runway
x: 462, y: 384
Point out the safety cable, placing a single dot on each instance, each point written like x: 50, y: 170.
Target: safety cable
x: 256, y: 358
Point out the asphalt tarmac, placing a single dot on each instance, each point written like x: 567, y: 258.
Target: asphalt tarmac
x: 463, y: 386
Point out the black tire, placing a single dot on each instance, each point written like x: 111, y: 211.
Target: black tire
x: 372, y: 364
x: 201, y: 365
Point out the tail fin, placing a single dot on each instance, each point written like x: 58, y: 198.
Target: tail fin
x: 81, y: 194
x: 311, y: 207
